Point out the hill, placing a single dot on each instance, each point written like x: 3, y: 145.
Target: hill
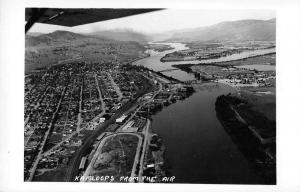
x: 122, y: 35
x: 56, y: 37
x: 63, y: 46
x: 242, y: 30
x: 34, y: 34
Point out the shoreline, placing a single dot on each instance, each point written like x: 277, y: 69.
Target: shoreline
x: 255, y: 147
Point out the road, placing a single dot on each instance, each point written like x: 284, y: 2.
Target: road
x: 100, y: 97
x: 39, y: 156
x: 116, y: 87
x: 167, y: 70
x: 79, y: 110
x: 146, y: 141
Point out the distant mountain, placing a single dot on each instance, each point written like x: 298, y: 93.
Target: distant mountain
x: 259, y: 30
x: 66, y: 37
x: 34, y: 34
x: 54, y: 38
x: 122, y: 35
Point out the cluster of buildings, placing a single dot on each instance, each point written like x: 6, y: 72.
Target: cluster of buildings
x: 254, y: 79
x: 42, y: 102
x: 235, y: 75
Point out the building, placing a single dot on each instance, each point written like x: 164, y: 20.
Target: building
x: 129, y: 127
x: 121, y: 119
x: 82, y: 163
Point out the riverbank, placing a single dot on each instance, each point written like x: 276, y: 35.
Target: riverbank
x: 252, y: 132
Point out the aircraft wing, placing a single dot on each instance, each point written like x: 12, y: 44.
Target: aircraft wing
x: 74, y: 17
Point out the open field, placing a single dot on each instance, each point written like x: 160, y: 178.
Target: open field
x: 115, y: 156
x: 268, y: 59
x: 262, y: 99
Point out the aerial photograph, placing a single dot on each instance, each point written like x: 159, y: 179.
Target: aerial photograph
x: 150, y: 95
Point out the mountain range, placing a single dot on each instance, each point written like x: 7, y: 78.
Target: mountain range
x: 242, y: 30
x: 122, y: 35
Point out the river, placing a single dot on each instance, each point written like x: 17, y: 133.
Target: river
x: 198, y: 150
x: 153, y: 62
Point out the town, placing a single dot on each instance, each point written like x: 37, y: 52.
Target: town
x: 82, y: 117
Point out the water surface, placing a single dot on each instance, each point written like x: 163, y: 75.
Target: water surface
x: 198, y: 148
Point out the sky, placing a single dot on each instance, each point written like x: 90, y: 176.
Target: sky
x: 161, y: 21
